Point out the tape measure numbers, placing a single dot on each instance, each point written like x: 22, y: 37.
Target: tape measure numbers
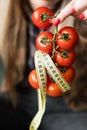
x: 54, y: 72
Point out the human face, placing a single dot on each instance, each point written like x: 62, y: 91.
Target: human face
x: 46, y: 3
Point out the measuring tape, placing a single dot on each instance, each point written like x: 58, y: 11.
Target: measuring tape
x: 42, y: 80
x: 54, y: 72
x: 44, y: 62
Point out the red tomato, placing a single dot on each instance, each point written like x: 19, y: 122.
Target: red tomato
x: 65, y: 58
x: 68, y: 73
x: 41, y: 17
x: 53, y: 89
x: 41, y: 43
x: 32, y: 78
x: 68, y: 38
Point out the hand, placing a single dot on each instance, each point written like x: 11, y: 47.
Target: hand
x: 77, y: 8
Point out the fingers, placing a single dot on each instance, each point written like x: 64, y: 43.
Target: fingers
x: 64, y: 13
x: 80, y: 9
x: 80, y: 5
x: 83, y: 15
x: 76, y: 7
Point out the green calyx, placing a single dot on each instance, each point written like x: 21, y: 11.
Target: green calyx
x: 64, y: 54
x: 63, y: 69
x: 65, y: 36
x: 44, y: 40
x: 45, y: 16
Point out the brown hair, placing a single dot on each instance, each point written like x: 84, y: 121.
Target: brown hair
x: 14, y: 39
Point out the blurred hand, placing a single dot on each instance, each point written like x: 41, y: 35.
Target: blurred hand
x: 78, y: 8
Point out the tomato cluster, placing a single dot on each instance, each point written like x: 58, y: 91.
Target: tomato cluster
x: 59, y: 45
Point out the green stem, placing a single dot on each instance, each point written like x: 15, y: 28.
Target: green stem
x: 56, y: 14
x: 45, y: 16
x: 44, y: 40
x: 47, y: 41
x: 54, y: 39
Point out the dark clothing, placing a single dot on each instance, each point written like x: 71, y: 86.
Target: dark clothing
x: 12, y: 119
x: 57, y: 116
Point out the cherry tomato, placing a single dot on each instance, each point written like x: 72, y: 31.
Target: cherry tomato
x: 67, y: 38
x: 41, y: 17
x: 42, y: 44
x: 32, y: 78
x: 65, y: 58
x: 53, y: 89
x: 68, y: 73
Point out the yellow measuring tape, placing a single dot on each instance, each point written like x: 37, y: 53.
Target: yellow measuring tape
x: 41, y: 75
x: 43, y: 63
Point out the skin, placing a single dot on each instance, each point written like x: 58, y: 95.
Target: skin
x: 80, y: 11
x: 47, y: 3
